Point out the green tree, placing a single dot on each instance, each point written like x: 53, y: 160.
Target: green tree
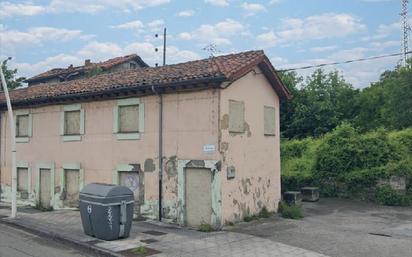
x: 323, y: 102
x: 10, y: 75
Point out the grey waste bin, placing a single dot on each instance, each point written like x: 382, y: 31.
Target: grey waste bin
x: 106, y: 210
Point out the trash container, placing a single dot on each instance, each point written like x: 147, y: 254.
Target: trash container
x: 106, y: 210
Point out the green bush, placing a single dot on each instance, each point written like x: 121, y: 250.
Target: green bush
x: 264, y: 213
x: 141, y: 250
x: 387, y: 196
x: 249, y: 218
x: 347, y: 163
x: 290, y: 211
x: 205, y: 227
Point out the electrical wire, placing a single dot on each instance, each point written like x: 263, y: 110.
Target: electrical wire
x: 344, y: 62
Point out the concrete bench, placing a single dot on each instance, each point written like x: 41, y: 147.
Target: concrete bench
x: 292, y: 197
x: 310, y: 194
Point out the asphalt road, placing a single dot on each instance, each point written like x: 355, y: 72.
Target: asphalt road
x: 18, y: 243
x: 342, y: 228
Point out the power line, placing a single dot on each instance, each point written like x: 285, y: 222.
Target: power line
x: 344, y: 62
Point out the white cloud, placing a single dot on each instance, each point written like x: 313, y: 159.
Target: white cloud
x: 129, y: 25
x: 323, y: 26
x: 94, y: 6
x: 252, y: 8
x: 156, y: 24
x: 8, y: 9
x: 12, y: 39
x: 320, y: 49
x: 273, y: 2
x: 185, y: 13
x: 99, y: 51
x: 219, y: 33
x: 268, y: 39
x: 218, y: 2
x: 185, y: 36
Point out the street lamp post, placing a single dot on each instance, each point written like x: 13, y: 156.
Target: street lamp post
x: 13, y: 146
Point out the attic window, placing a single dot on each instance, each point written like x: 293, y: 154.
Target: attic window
x: 133, y: 65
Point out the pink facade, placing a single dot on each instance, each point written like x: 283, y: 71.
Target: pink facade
x: 195, y: 135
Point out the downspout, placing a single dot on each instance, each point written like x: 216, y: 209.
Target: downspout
x: 160, y: 151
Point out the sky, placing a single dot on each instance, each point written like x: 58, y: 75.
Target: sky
x: 46, y: 34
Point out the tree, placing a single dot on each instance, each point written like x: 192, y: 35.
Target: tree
x: 10, y: 75
x: 323, y: 102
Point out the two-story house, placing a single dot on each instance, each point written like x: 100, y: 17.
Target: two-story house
x: 89, y: 69
x: 198, y: 141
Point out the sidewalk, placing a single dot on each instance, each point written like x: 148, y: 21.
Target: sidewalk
x: 159, y: 239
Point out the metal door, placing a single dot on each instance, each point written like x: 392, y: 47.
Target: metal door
x: 45, y: 189
x: 198, y: 196
x: 72, y: 180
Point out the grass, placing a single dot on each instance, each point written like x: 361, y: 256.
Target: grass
x: 204, y: 227
x: 290, y: 211
x: 141, y: 250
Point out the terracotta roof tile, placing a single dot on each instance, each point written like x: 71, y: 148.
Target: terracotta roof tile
x: 105, y: 65
x: 218, y: 69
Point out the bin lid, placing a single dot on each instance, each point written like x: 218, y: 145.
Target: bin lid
x: 106, y: 190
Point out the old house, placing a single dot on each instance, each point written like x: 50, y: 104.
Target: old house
x: 89, y: 68
x: 197, y: 140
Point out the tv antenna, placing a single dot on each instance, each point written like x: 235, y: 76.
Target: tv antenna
x: 211, y: 49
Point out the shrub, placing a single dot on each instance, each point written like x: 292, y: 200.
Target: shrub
x: 293, y: 149
x: 249, y: 218
x: 141, y: 250
x: 264, y: 213
x: 387, y: 196
x: 290, y: 211
x: 205, y: 227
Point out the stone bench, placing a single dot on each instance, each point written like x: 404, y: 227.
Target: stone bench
x: 310, y: 194
x: 292, y: 197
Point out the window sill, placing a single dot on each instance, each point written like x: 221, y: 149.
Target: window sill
x: 270, y: 135
x: 22, y: 139
x: 128, y: 136
x: 69, y: 138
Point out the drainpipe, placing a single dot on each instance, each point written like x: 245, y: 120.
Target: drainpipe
x: 160, y: 151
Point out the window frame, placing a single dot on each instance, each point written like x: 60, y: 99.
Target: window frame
x: 231, y: 126
x: 71, y: 108
x: 265, y: 132
x: 116, y: 119
x: 23, y: 139
x: 24, y: 165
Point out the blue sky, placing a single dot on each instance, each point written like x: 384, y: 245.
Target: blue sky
x: 45, y: 34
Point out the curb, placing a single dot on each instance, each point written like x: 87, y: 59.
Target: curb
x: 61, y: 238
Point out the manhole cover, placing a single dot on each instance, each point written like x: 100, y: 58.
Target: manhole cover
x: 154, y: 233
x: 149, y: 241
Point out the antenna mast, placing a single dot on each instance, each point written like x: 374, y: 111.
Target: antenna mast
x: 405, y: 28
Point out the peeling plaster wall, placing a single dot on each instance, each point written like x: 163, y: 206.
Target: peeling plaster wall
x: 190, y: 122
x: 255, y: 157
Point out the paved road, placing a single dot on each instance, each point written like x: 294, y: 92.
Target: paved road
x: 17, y: 243
x: 342, y: 228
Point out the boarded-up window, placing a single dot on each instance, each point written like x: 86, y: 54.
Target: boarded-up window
x: 270, y: 121
x: 22, y: 179
x: 72, y: 122
x: 129, y: 119
x: 236, y: 116
x: 22, y: 125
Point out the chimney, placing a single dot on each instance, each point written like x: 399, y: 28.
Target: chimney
x: 87, y: 62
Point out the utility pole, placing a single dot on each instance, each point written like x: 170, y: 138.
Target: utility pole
x: 164, y: 47
x: 13, y: 146
x: 405, y: 30
x: 161, y: 130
